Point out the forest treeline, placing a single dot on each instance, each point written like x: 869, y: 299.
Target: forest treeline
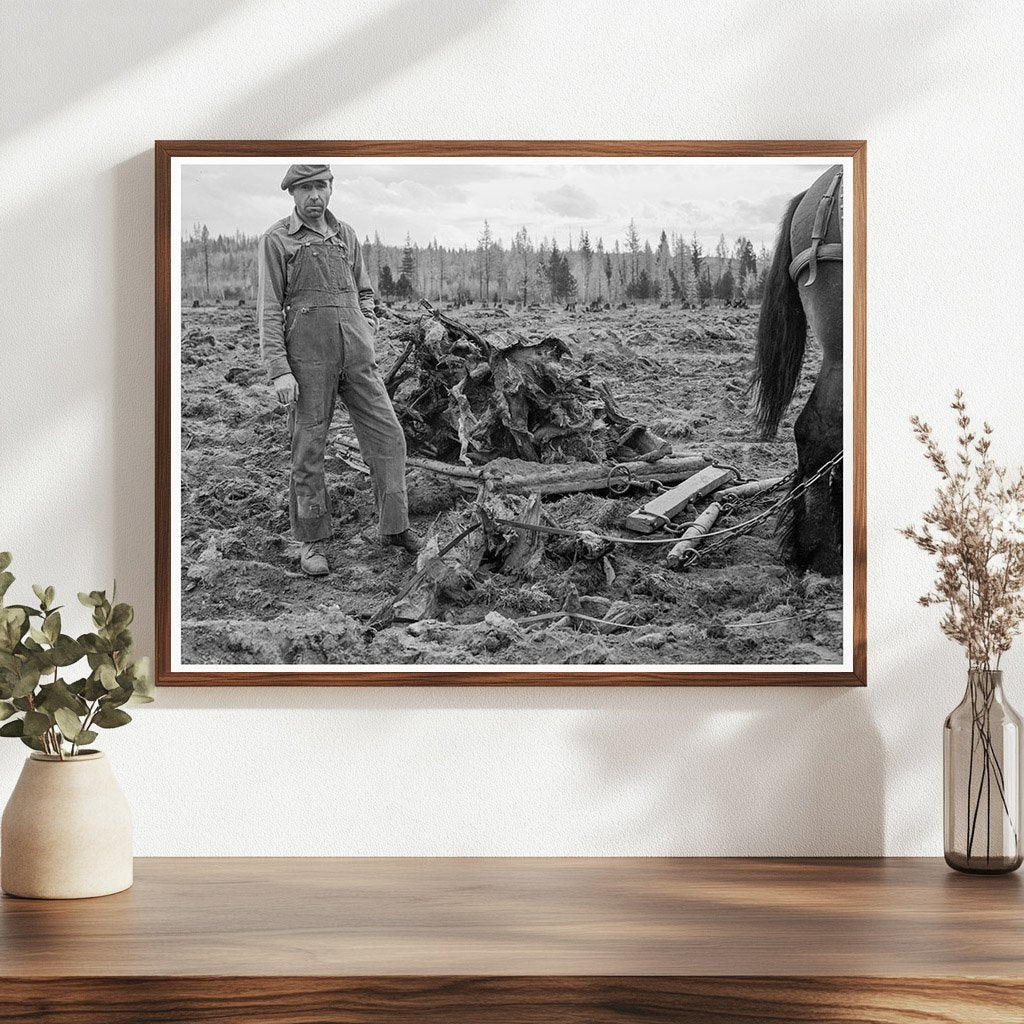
x: 631, y: 270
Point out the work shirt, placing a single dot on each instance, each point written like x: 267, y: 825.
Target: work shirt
x: 277, y: 247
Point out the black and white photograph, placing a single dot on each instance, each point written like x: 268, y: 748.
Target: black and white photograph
x: 518, y: 413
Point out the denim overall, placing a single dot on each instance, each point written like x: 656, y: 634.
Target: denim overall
x: 330, y: 350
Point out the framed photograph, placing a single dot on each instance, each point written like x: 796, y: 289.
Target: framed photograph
x: 492, y: 412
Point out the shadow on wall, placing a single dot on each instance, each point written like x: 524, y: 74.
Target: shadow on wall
x: 745, y: 770
x: 807, y: 57
x: 394, y: 38
x: 692, y: 771
x: 64, y: 53
x: 131, y: 408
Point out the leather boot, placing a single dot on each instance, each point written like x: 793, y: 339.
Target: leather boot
x: 312, y: 560
x: 408, y: 539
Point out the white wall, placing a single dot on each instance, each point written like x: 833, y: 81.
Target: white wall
x: 937, y: 90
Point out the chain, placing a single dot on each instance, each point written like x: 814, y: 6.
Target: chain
x: 742, y: 529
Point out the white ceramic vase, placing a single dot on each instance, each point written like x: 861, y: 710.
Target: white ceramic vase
x: 66, y: 831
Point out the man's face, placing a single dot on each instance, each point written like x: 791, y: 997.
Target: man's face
x: 311, y: 197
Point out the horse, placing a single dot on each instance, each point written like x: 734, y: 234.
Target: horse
x: 800, y: 292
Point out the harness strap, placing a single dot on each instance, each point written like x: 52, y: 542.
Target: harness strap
x: 829, y: 251
x: 821, y: 219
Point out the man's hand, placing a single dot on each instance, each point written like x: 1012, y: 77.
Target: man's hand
x: 286, y: 388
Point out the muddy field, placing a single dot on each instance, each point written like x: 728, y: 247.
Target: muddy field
x: 683, y: 373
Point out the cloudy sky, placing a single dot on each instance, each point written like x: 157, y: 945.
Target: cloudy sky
x: 449, y: 201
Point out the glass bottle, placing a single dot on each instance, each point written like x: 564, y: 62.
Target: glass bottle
x: 981, y: 775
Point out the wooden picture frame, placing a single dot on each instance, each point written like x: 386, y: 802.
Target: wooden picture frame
x: 171, y: 157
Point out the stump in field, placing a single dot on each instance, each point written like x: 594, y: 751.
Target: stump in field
x: 474, y: 397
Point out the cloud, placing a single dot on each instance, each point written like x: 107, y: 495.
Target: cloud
x: 569, y: 201
x: 767, y: 210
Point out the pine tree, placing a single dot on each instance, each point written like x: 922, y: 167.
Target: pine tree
x: 722, y: 255
x: 633, y: 244
x: 524, y: 253
x: 696, y: 255
x: 586, y: 261
x: 543, y: 254
x: 684, y: 272
x: 764, y: 261
x: 563, y: 284
x: 602, y: 269
x: 751, y: 288
x: 663, y: 264
x: 377, y: 262
x: 407, y: 273
x: 485, y: 257
x: 205, y: 238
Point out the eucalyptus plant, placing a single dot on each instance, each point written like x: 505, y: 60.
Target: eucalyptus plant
x: 46, y: 712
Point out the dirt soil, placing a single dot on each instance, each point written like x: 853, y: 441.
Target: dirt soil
x: 681, y: 372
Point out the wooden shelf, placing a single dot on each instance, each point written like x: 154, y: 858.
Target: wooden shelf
x: 567, y: 940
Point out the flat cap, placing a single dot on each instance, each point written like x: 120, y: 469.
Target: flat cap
x: 299, y: 173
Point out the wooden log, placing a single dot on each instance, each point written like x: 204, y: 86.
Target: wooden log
x: 399, y: 362
x: 528, y: 548
x: 430, y: 465
x: 679, y: 555
x: 680, y: 470
x: 517, y: 476
x: 748, y: 490
x: 567, y: 478
x: 662, y: 508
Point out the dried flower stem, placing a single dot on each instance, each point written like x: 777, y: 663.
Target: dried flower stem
x: 975, y: 530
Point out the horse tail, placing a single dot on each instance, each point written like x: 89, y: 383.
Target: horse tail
x: 781, y: 335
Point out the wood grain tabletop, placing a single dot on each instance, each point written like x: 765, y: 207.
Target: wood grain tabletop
x: 517, y: 916
x: 504, y: 940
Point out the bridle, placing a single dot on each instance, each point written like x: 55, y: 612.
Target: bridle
x: 818, y: 251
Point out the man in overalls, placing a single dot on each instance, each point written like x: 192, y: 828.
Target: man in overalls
x: 317, y: 325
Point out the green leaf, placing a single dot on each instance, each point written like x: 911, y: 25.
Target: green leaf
x: 13, y: 625
x: 27, y: 681
x: 40, y: 593
x: 125, y: 640
x: 5, y: 559
x: 38, y: 635
x: 67, y: 651
x: 36, y: 723
x: 50, y: 595
x: 59, y: 695
x: 122, y: 615
x: 10, y: 662
x: 51, y: 626
x: 95, y: 645
x: 69, y: 724
x: 89, y: 600
x: 115, y: 698
x: 22, y: 703
x: 6, y: 710
x: 94, y: 689
x: 31, y: 741
x: 28, y: 610
x: 6, y: 579
x: 107, y: 676
x: 86, y: 736
x: 15, y: 728
x: 111, y: 718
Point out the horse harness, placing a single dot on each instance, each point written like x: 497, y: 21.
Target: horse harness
x: 818, y: 251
